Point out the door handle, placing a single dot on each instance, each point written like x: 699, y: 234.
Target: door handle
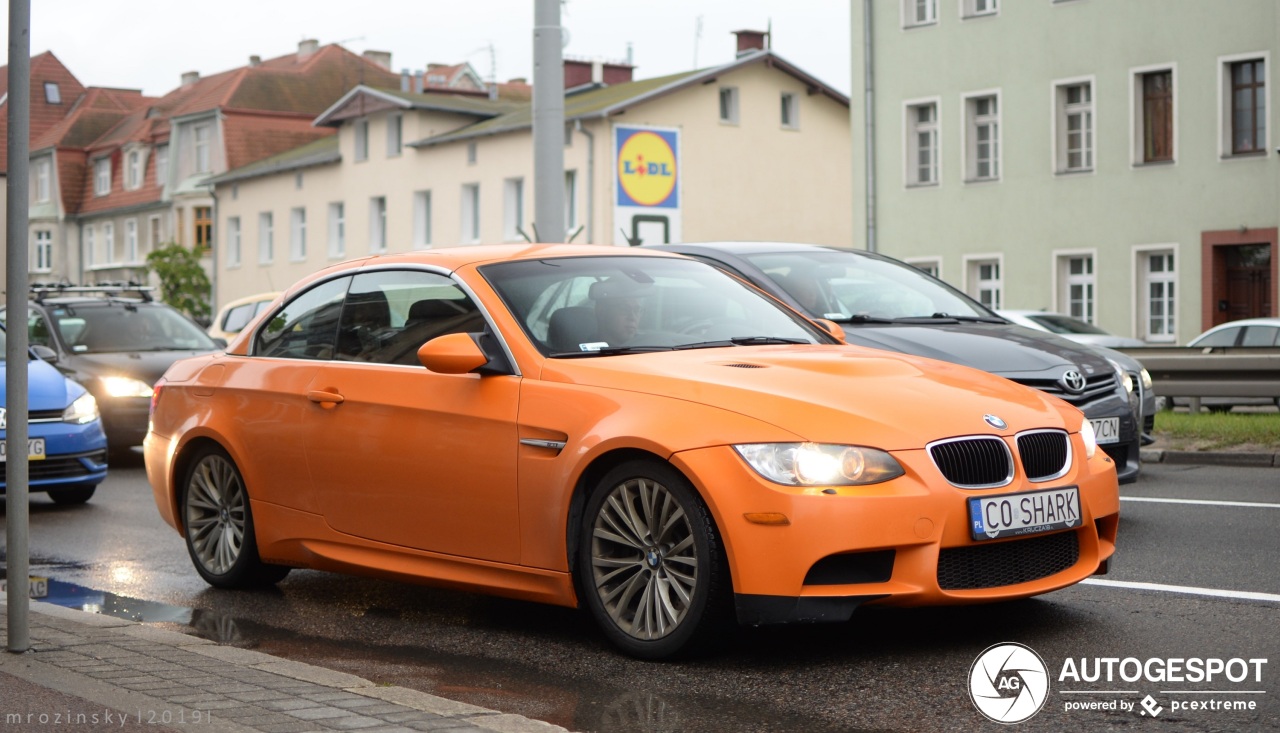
x: 327, y: 400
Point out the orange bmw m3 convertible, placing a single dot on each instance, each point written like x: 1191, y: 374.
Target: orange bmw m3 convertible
x: 634, y: 432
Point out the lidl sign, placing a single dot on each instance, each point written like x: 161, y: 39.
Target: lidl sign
x: 648, y: 167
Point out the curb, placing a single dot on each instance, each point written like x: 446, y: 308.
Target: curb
x: 1212, y: 458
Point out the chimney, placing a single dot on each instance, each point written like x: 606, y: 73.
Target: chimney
x: 577, y: 72
x: 417, y: 82
x: 751, y: 41
x: 189, y: 78
x: 404, y: 80
x: 255, y: 61
x: 380, y: 58
x: 615, y: 73
x: 307, y: 49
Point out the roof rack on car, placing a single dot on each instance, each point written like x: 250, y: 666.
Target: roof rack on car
x: 40, y: 291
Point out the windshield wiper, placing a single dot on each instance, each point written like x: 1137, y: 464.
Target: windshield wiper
x: 743, y: 341
x: 861, y: 318
x: 969, y: 319
x: 608, y: 351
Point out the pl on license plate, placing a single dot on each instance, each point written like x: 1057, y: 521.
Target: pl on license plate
x: 35, y: 450
x: 1107, y: 429
x: 1031, y: 512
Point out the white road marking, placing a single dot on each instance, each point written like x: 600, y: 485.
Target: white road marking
x: 1203, y: 502
x: 1216, y: 593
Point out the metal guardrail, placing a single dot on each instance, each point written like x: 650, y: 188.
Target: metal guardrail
x: 1185, y: 371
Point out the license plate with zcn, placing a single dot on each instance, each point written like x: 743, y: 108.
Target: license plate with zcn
x: 1031, y: 512
x: 1107, y: 429
x: 35, y: 450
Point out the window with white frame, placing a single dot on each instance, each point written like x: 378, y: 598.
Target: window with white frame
x: 156, y: 237
x: 570, y: 200
x: 52, y: 94
x: 395, y: 124
x: 1074, y: 120
x: 233, y: 242
x: 919, y: 12
x: 985, y: 283
x: 133, y: 170
x: 111, y: 257
x: 298, y: 234
x: 361, y: 130
x: 266, y: 238
x: 421, y: 219
x: 975, y: 8
x: 377, y: 224
x: 512, y: 209
x: 131, y: 240
x: 89, y: 247
x: 203, y: 143
x: 1076, y: 286
x: 922, y: 143
x: 337, y: 230
x: 471, y: 212
x: 1159, y: 304
x: 790, y: 111
x: 1153, y: 115
x: 43, y: 259
x: 44, y: 186
x: 102, y: 176
x: 729, y: 105
x: 162, y: 164
x: 982, y: 137
x: 929, y: 266
x: 1245, y: 105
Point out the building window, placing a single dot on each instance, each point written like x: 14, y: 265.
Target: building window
x: 266, y: 238
x: 377, y: 224
x: 43, y: 259
x: 570, y: 200
x: 985, y: 283
x: 982, y: 138
x: 130, y: 241
x: 88, y: 246
x: 919, y: 12
x: 1159, y: 303
x: 133, y: 170
x: 203, y: 136
x: 1076, y: 286
x: 790, y: 111
x: 162, y: 165
x: 109, y: 243
x: 975, y: 8
x: 922, y: 144
x: 1156, y: 116
x: 471, y: 153
x: 298, y: 234
x: 470, y: 213
x: 43, y: 184
x: 394, y: 129
x: 337, y: 230
x: 204, y: 228
x: 102, y: 176
x: 1247, y: 106
x: 233, y: 241
x: 154, y: 224
x: 513, y: 209
x: 931, y: 267
x: 52, y: 94
x: 362, y: 140
x: 421, y: 219
x: 1074, y: 105
x: 729, y: 105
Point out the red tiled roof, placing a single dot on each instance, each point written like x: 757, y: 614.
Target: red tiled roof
x: 45, y: 67
x: 252, y: 137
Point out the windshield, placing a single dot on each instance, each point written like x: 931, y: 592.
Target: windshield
x: 843, y: 285
x: 578, y: 306
x: 112, y: 327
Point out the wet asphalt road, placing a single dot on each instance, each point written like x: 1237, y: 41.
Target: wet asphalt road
x: 901, y: 670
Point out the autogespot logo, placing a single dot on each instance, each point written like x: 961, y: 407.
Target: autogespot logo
x: 1008, y: 683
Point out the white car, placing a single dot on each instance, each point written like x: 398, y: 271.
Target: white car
x: 235, y: 315
x: 1243, y: 334
x: 1070, y: 327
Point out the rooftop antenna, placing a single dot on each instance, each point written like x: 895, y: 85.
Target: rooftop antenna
x: 697, y: 36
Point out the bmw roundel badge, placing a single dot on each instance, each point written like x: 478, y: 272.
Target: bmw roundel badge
x: 995, y: 422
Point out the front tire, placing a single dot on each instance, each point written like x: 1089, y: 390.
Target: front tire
x: 650, y: 563
x: 218, y: 524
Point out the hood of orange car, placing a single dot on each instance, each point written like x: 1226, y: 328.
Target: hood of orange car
x: 828, y: 394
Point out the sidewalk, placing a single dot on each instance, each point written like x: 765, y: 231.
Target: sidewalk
x: 1211, y: 458
x: 88, y: 672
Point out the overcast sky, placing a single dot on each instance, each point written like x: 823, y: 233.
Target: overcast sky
x: 148, y: 44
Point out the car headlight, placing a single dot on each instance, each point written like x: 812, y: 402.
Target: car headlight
x: 83, y: 410
x: 819, y: 464
x: 126, y: 387
x: 1146, y: 380
x: 1090, y: 439
x: 1125, y: 378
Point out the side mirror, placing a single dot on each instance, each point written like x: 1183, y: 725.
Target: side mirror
x: 832, y: 328
x: 454, y: 353
x: 44, y: 353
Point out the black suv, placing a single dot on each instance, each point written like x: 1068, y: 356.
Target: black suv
x: 116, y: 341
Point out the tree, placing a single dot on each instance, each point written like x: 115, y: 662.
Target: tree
x: 183, y: 282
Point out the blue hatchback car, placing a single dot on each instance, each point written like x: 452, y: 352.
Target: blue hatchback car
x: 66, y: 445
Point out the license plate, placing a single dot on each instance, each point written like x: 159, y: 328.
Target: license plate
x: 1107, y: 429
x: 36, y: 587
x: 1031, y: 512
x: 35, y: 450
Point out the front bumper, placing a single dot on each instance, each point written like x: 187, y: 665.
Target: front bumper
x: 905, y: 542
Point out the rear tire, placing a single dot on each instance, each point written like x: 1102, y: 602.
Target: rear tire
x: 72, y: 494
x: 650, y: 563
x: 218, y: 524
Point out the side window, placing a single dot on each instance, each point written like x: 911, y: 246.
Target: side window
x: 307, y: 326
x: 388, y: 315
x: 1258, y: 336
x: 1225, y: 337
x: 38, y: 330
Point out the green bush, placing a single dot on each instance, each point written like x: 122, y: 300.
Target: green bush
x: 183, y: 282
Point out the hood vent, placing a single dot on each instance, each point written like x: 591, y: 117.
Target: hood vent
x: 745, y: 366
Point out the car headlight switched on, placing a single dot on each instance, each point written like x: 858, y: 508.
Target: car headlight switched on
x: 126, y: 387
x: 819, y: 464
x: 83, y: 410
